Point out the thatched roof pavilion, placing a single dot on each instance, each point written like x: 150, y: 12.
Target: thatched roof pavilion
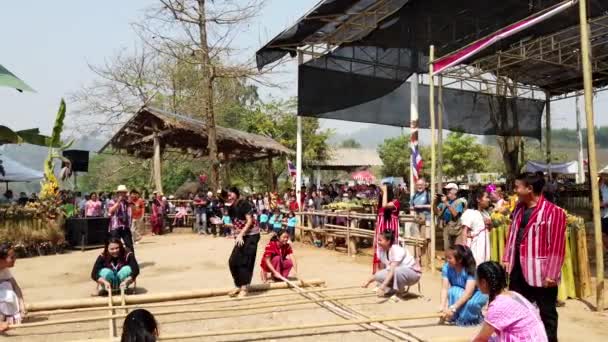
x: 152, y: 131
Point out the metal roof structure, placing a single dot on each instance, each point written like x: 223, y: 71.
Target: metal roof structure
x: 349, y: 159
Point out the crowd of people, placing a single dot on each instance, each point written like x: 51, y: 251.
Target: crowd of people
x: 520, y: 293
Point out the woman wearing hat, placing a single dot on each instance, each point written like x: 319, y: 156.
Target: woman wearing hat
x: 242, y: 259
x: 120, y: 217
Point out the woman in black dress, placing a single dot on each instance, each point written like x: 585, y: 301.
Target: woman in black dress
x: 242, y: 259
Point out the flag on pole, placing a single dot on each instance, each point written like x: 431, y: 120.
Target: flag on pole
x: 416, y: 160
x: 459, y: 56
x: 291, y: 169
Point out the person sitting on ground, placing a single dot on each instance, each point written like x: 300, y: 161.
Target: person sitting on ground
x: 12, y: 305
x: 139, y: 326
x: 278, y: 258
x: 292, y: 220
x: 461, y: 300
x: 510, y: 315
x: 397, y: 267
x: 116, y: 267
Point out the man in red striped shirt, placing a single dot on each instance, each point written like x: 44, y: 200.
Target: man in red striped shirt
x: 535, y: 250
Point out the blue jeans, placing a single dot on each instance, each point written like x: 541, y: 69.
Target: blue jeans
x: 115, y: 278
x: 201, y: 220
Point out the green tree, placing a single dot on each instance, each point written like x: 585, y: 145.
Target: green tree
x: 350, y: 143
x: 395, y: 156
x: 463, y: 155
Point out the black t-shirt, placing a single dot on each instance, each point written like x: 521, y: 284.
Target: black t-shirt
x: 240, y: 210
x: 520, y: 233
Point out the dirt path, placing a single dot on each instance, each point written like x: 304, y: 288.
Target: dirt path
x: 184, y: 261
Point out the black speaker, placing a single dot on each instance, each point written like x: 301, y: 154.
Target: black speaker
x: 79, y: 159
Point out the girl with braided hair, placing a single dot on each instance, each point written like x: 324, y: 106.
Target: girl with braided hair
x: 510, y: 317
x: 461, y: 300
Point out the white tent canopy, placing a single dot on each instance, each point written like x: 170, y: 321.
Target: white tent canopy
x: 569, y: 168
x: 16, y: 172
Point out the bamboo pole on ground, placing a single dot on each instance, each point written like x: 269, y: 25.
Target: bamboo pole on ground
x: 593, y: 167
x: 113, y: 316
x: 288, y: 327
x: 391, y: 326
x: 433, y: 157
x: 160, y: 297
x: 165, y: 305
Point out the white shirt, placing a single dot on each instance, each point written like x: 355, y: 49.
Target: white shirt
x: 396, y: 254
x: 474, y: 220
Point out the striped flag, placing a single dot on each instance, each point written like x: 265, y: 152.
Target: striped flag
x: 416, y: 161
x: 461, y: 55
x: 291, y: 169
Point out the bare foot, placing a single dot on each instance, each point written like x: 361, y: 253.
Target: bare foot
x: 242, y: 294
x: 3, y: 326
x: 234, y: 292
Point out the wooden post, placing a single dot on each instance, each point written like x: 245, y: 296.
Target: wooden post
x: 440, y: 134
x: 348, y: 234
x: 433, y: 161
x: 270, y: 175
x: 548, y: 132
x: 595, y: 195
x: 156, y: 164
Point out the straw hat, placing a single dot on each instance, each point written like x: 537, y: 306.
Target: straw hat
x: 122, y: 188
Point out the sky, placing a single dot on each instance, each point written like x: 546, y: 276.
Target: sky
x: 51, y: 44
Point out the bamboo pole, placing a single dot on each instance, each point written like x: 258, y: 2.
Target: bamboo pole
x: 343, y: 310
x: 433, y: 157
x: 160, y: 297
x: 588, y: 87
x: 165, y: 305
x: 288, y: 327
x: 402, y: 334
x: 440, y: 133
x: 113, y: 316
x: 112, y: 322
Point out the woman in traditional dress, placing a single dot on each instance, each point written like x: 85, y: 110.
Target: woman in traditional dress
x: 116, y: 267
x: 388, y: 219
x: 242, y: 259
x: 12, y: 305
x: 398, y: 268
x: 461, y: 300
x: 476, y: 222
x: 510, y: 317
x: 157, y: 217
x: 278, y: 259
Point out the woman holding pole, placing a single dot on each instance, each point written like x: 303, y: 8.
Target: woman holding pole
x: 242, y: 259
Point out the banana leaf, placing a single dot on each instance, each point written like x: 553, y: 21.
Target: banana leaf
x: 8, y: 79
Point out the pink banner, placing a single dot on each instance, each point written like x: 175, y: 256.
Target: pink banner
x: 459, y: 56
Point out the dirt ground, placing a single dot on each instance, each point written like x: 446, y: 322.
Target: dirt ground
x: 185, y: 261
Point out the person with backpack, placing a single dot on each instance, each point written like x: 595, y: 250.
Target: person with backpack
x: 449, y: 208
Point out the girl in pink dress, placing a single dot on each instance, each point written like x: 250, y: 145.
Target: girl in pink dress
x: 510, y: 317
x: 388, y: 219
